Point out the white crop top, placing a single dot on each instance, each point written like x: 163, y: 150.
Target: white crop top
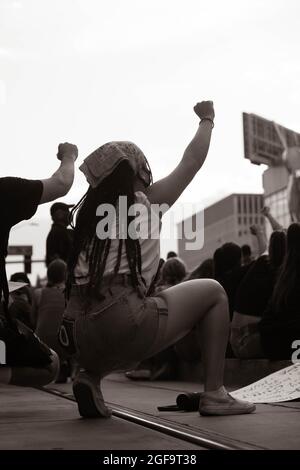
x: 148, y: 224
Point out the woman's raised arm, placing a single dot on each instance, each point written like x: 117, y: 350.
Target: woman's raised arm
x: 168, y: 189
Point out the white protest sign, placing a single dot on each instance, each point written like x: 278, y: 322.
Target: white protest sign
x: 283, y: 385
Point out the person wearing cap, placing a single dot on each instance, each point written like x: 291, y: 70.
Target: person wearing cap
x: 110, y: 323
x: 59, y: 239
x: 27, y: 361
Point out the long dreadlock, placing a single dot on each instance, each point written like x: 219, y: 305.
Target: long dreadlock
x: 119, y: 183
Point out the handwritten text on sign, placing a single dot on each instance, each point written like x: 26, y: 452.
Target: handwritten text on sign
x: 283, y: 385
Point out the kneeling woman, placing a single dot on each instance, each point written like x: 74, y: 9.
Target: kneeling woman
x: 110, y: 324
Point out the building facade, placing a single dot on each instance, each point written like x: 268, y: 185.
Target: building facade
x: 228, y: 220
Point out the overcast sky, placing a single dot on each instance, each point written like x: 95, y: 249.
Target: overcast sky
x: 89, y: 71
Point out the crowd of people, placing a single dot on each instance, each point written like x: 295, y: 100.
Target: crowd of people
x: 111, y: 303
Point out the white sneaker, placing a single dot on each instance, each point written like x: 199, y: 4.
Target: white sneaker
x: 221, y: 403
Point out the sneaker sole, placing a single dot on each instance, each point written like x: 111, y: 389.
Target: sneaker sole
x: 226, y: 412
x: 86, y: 403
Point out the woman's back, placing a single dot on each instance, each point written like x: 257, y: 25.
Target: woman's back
x: 148, y: 226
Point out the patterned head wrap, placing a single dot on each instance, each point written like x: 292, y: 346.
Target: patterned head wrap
x: 103, y: 161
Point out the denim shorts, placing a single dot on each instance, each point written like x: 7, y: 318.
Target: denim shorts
x: 115, y: 330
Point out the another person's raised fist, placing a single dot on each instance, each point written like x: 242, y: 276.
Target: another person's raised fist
x: 265, y: 211
x: 205, y: 110
x: 67, y: 150
x: 255, y: 229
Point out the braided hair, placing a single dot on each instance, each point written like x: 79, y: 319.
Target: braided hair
x: 119, y: 183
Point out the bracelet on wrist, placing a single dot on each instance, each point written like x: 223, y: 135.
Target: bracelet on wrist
x: 208, y: 119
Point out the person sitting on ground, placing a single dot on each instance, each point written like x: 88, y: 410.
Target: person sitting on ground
x: 252, y: 298
x: 229, y: 271
x: 23, y: 303
x: 60, y: 238
x: 50, y: 309
x: 280, y: 325
x: 109, y: 323
x: 28, y: 362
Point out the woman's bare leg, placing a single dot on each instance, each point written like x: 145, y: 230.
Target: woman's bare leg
x: 202, y: 303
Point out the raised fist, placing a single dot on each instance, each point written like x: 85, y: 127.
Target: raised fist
x: 67, y: 150
x: 255, y: 229
x: 205, y: 109
x: 265, y: 211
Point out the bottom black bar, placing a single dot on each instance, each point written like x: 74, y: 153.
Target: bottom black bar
x: 138, y: 458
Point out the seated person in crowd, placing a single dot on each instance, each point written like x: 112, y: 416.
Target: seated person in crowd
x: 21, y: 307
x: 50, y: 309
x: 23, y: 300
x: 28, y: 361
x: 253, y: 296
x: 229, y: 271
x: 280, y: 325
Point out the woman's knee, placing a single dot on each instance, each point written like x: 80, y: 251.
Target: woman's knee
x: 213, y: 289
x: 219, y: 293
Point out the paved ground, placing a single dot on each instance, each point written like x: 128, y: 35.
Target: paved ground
x: 32, y: 419
x: 270, y: 427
